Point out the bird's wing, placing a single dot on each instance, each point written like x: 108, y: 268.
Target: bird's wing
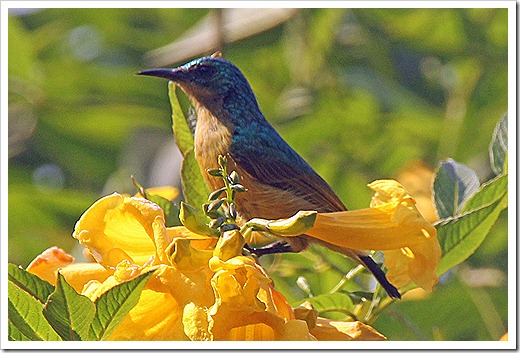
x: 272, y: 161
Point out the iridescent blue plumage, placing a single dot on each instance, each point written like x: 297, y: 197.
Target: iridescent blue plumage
x: 279, y: 181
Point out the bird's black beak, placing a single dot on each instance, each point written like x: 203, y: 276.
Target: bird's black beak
x: 176, y: 75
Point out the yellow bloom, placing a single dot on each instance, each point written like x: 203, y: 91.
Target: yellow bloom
x: 47, y: 264
x: 168, y: 192
x: 331, y: 330
x: 392, y: 224
x: 201, y: 289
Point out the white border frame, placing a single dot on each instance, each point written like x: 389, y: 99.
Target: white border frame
x: 512, y: 212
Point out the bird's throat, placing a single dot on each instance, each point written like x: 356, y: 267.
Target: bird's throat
x: 212, y: 138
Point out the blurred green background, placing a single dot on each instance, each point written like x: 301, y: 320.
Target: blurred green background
x: 361, y: 93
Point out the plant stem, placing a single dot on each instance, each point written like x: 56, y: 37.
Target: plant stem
x: 350, y: 274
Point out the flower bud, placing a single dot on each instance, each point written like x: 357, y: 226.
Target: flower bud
x: 229, y: 245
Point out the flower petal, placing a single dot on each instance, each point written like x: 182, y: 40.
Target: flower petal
x: 117, y: 228
x: 79, y: 274
x: 230, y: 244
x: 156, y: 317
x: 363, y: 229
x: 296, y: 330
x: 331, y: 330
x: 293, y: 330
x: 184, y: 286
x: 417, y: 263
x: 198, y: 241
x: 48, y: 263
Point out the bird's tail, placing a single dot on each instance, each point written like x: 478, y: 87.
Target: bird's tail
x: 371, y: 265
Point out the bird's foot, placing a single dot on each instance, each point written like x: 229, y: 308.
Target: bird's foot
x: 274, y: 248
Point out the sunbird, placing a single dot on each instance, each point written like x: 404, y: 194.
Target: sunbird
x: 279, y: 182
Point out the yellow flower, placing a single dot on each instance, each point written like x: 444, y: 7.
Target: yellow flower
x: 201, y: 289
x: 47, y: 264
x: 168, y: 192
x: 392, y: 224
x: 332, y: 330
x: 127, y: 237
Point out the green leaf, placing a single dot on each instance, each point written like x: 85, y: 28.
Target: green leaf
x: 489, y: 192
x: 454, y: 184
x: 498, y: 146
x: 193, y: 185
x: 171, y: 211
x: 68, y: 312
x: 30, y: 283
x: 26, y: 318
x: 338, y: 301
x: 460, y: 236
x: 181, y: 130
x: 114, y: 305
x: 14, y: 334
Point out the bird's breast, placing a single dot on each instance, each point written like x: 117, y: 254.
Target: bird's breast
x: 212, y: 138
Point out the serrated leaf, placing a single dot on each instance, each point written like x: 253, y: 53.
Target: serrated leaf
x: 460, y: 236
x: 171, y: 211
x: 25, y: 315
x: 30, y: 283
x: 14, y: 334
x: 498, y: 147
x: 68, y: 312
x: 453, y: 186
x: 194, y: 187
x: 114, y: 305
x: 340, y: 302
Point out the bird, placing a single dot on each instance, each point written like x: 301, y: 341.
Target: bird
x: 279, y: 181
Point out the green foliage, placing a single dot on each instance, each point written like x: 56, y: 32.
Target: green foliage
x: 193, y: 185
x: 30, y: 283
x: 498, y: 147
x: 335, y: 302
x: 450, y: 314
x: 467, y: 215
x: 113, y: 305
x: 26, y: 320
x: 454, y: 184
x: 171, y: 210
x: 462, y: 234
x: 39, y: 311
x: 69, y: 313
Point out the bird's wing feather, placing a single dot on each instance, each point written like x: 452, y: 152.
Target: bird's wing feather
x: 272, y: 161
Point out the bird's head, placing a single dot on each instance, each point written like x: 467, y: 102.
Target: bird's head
x: 212, y: 82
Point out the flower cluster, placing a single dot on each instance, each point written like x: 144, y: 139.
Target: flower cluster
x: 204, y: 288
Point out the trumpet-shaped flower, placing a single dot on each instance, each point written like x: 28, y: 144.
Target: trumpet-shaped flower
x: 392, y: 224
